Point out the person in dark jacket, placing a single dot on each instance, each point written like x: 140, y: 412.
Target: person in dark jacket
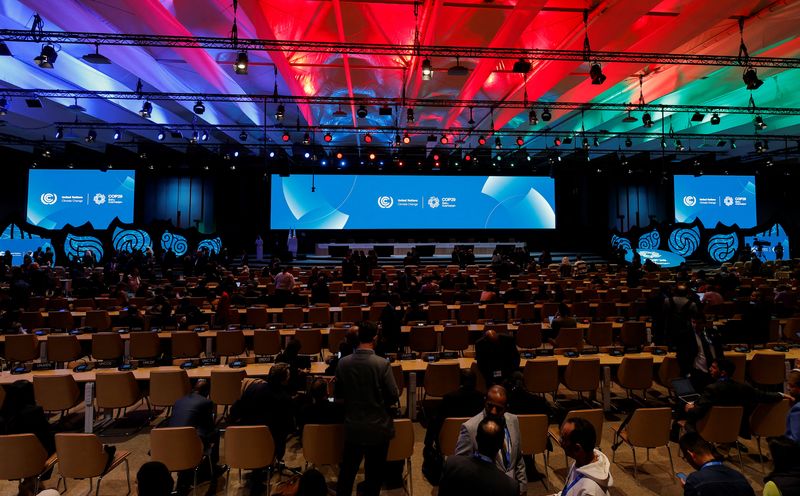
x: 785, y: 476
x: 497, y: 357
x: 697, y: 348
x: 712, y: 477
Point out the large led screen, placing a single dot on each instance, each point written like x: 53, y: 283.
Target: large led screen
x: 712, y: 199
x: 60, y: 197
x: 412, y: 202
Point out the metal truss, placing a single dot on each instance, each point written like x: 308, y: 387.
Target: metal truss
x: 206, y: 42
x: 397, y: 102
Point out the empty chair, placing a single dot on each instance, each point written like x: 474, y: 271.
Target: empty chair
x: 401, y: 448
x: 533, y: 436
x: 81, y: 456
x: 116, y: 390
x: 469, y: 312
x: 60, y: 320
x: 569, y: 337
x: 21, y: 348
x: 595, y: 416
x: 769, y: 420
x: 352, y: 313
x: 352, y: 297
x: 319, y: 315
x: 648, y: 428
x: 107, y: 346
x: 529, y: 336
x: 455, y: 338
x: 179, y: 448
x: 310, y: 341
x: 579, y: 308
x: 441, y: 378
x: 437, y: 312
x: 721, y: 425
x: 635, y: 373
x: 633, y: 333
x: 582, y: 375
x: 29, y: 459
x: 63, y: 348
x: 293, y: 316
x: 266, y: 343
x: 98, y: 320
x: 422, y: 339
x: 541, y: 376
x: 323, y: 444
x: 448, y: 436
x: 230, y: 343
x: 257, y: 317
x: 336, y: 336
x: 767, y: 368
x: 56, y: 393
x: 668, y: 370
x: 495, y: 311
x: 525, y: 311
x: 375, y: 310
x: 186, y: 344
x: 226, y: 387
x: 167, y: 386
x: 248, y: 447
x: 144, y: 345
x: 739, y: 361
x: 600, y: 334
x: 31, y: 320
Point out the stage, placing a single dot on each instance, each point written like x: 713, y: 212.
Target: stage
x: 401, y: 249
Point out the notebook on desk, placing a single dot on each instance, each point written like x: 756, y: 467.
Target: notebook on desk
x: 684, y: 390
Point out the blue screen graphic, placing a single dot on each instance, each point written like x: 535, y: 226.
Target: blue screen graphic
x: 60, y: 197
x: 712, y: 199
x: 412, y: 202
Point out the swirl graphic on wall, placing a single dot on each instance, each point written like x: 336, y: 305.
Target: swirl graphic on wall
x: 650, y: 241
x: 14, y: 232
x: 213, y: 244
x: 684, y: 241
x: 76, y: 246
x: 722, y: 247
x: 131, y: 240
x: 174, y: 242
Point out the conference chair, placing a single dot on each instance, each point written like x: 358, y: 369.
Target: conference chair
x: 336, y: 336
x: 721, y: 426
x: 437, y: 312
x: 582, y: 375
x: 293, y: 316
x: 600, y: 334
x: 541, y: 376
x: 107, y: 346
x: 353, y: 297
x: 226, y: 388
x: 63, y: 348
x: 310, y: 341
x: 230, y: 344
x: 533, y: 437
x: 257, y: 317
x: 739, y: 361
x: 580, y: 308
x: 423, y: 339
x: 323, y: 444
x: 29, y: 459
x: 167, y: 387
x: 569, y: 337
x: 633, y: 333
x: 455, y: 338
x: 352, y: 313
x: 401, y: 448
x: 31, y: 320
x: 116, y: 391
x: 495, y: 312
x: 179, y: 448
x: 668, y: 371
x: 266, y: 342
x: 186, y: 344
x: 81, y: 456
x: 448, y: 436
x: 529, y: 336
x: 441, y: 378
x: 21, y: 348
x: 769, y: 420
x: 767, y: 368
x: 399, y: 380
x: 525, y: 311
x: 56, y: 393
x: 319, y: 315
x: 248, y: 447
x: 144, y: 345
x: 60, y: 320
x: 635, y: 373
x: 648, y: 428
x: 375, y: 310
x: 98, y: 320
x: 469, y: 313
x: 595, y: 416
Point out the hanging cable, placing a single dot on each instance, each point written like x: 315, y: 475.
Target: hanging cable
x: 587, y: 50
x: 744, y: 55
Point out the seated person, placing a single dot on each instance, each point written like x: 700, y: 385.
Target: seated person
x: 785, y: 476
x: 712, y: 477
x: 317, y: 408
x: 154, y: 479
x: 563, y: 319
x: 196, y: 410
x: 291, y: 357
x: 497, y: 357
x: 312, y: 483
x: 466, y: 401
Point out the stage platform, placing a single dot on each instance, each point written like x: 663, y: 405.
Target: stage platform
x: 400, y: 249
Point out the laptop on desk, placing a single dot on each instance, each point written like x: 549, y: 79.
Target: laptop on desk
x: 684, y: 390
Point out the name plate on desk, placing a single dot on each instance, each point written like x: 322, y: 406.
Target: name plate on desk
x: 544, y: 352
x: 136, y: 329
x: 155, y: 329
x: 759, y: 347
x: 125, y: 367
x: 449, y: 355
x: 430, y: 357
x: 124, y: 330
x: 794, y: 346
x: 75, y: 332
x: 265, y: 359
x: 306, y: 326
x: 408, y: 356
x: 209, y: 361
x: 44, y: 366
x: 528, y: 354
x: 272, y: 327
x: 237, y: 364
x: 106, y: 364
x: 658, y: 351
x: 571, y: 354
x: 633, y: 349
x: 189, y: 364
x: 84, y: 367
x: 149, y: 362
x: 617, y: 352
x: 620, y: 320
x: 200, y: 329
x: 19, y: 370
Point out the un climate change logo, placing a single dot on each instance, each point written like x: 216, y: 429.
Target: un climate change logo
x: 99, y: 198
x: 48, y: 198
x: 433, y: 202
x: 385, y: 201
x: 689, y: 201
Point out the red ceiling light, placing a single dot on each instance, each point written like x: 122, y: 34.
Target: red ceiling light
x: 443, y: 140
x: 286, y: 136
x: 406, y: 138
x: 520, y: 141
x: 367, y: 138
x: 328, y: 138
x: 481, y: 140
x: 339, y: 155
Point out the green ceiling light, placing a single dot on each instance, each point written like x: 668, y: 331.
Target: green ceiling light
x: 715, y: 119
x: 751, y: 80
x: 647, y: 120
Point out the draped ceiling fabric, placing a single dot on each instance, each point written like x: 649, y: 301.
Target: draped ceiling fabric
x: 662, y: 26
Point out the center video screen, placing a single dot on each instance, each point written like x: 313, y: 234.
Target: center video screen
x: 60, y: 197
x: 712, y: 199
x: 412, y: 202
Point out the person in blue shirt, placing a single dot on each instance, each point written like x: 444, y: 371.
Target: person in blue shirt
x: 712, y: 477
x: 793, y: 419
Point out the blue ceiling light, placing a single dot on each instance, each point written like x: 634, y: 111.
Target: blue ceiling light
x: 147, y: 109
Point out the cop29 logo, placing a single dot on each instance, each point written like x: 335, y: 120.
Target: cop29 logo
x: 99, y: 199
x: 385, y: 201
x: 433, y: 201
x: 48, y: 198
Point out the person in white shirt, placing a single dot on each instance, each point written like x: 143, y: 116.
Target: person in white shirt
x: 589, y: 474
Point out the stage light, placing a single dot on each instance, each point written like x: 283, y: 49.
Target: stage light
x: 698, y: 117
x: 532, y: 119
x: 733, y: 144
x: 468, y: 157
x: 241, y: 64
x: 397, y: 139
x: 546, y: 116
x: 628, y: 142
x: 361, y: 112
x: 406, y: 138
x: 759, y: 122
x: 271, y: 154
x: 481, y: 140
x: 431, y: 138
x: 367, y: 138
x: 306, y: 155
x: 427, y: 70
x: 96, y: 57
x: 557, y: 141
x: 647, y: 120
x: 759, y: 147
x: 409, y: 114
x: 585, y: 143
x: 236, y: 153
x: 3, y: 106
x: 715, y: 119
x: 161, y: 135
x: 663, y: 143
x: 596, y: 74
x: 59, y: 132
x: 751, y: 80
x: 306, y: 139
x: 195, y: 136
x: 522, y: 66
x: 520, y: 141
x: 679, y: 146
x: 280, y: 112
x: 147, y: 109
x: 629, y: 118
x: 328, y: 137
x: 117, y: 134
x: 498, y: 143
x: 47, y: 57
x: 199, y: 108
x: 339, y: 155
x: 372, y: 156
x: 444, y: 140
x: 91, y: 136
x: 243, y: 136
x: 286, y: 136
x: 204, y: 135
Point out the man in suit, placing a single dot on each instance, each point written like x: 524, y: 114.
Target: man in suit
x: 497, y: 357
x: 509, y: 457
x: 712, y: 478
x: 697, y: 348
x: 365, y: 383
x: 477, y: 474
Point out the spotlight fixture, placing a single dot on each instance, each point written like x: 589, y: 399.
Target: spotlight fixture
x: 204, y: 135
x: 161, y: 135
x: 751, y: 80
x: 59, y: 132
x: 759, y: 122
x: 147, y: 109
x: 596, y: 142
x: 532, y: 119
x: 585, y: 143
x: 628, y: 142
x: 431, y: 138
x: 663, y: 143
x: 759, y: 146
x: 498, y: 143
x: 3, y: 106
x: 679, y: 146
x: 427, y: 70
x: 385, y: 110
x: 409, y: 114
x: 721, y: 143
x: 522, y: 66
x: 444, y: 140
x: 286, y: 136
x: 361, y: 112
x: 557, y: 141
x: 243, y: 136
x: 406, y: 138
x: 96, y: 58
x: 306, y: 139
x: 481, y: 140
x: 195, y: 136
x: 596, y: 74
x: 367, y: 138
x: 77, y: 107
x: 328, y: 137
x: 339, y: 112
x: 698, y: 117
x: 117, y: 134
x: 647, y: 120
x: 568, y: 140
x: 280, y: 112
x: 520, y: 141
x: 733, y: 144
x: 629, y: 118
x: 458, y: 69
x: 91, y: 136
x: 47, y: 57
x: 715, y: 119
x: 546, y: 116
x: 241, y: 64
x: 199, y: 108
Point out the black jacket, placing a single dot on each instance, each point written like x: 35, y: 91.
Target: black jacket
x: 195, y: 410
x: 471, y: 476
x: 719, y: 480
x: 497, y: 360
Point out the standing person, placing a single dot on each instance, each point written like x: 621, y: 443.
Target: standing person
x: 284, y: 285
x: 779, y: 251
x: 509, y: 457
x: 497, y: 357
x: 698, y: 347
x: 259, y: 248
x: 365, y: 383
x: 711, y: 478
x: 590, y: 472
